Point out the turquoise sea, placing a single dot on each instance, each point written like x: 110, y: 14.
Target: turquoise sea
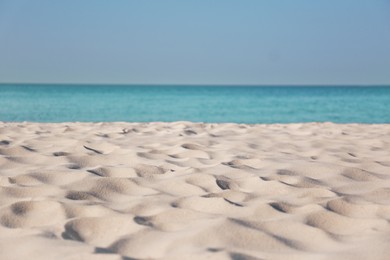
x: 239, y: 104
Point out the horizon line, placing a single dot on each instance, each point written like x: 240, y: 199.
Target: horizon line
x: 200, y: 84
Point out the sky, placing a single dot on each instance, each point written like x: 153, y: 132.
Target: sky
x: 260, y: 42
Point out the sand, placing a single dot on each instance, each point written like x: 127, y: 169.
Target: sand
x: 194, y: 191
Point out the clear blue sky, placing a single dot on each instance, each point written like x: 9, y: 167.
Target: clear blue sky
x: 195, y: 41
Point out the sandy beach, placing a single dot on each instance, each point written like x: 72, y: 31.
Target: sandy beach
x: 194, y: 191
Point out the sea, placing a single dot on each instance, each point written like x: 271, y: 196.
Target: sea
x: 214, y: 104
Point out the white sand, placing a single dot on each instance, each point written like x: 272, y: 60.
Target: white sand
x: 194, y: 191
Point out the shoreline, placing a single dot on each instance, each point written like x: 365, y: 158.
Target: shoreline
x: 174, y: 190
x: 185, y: 122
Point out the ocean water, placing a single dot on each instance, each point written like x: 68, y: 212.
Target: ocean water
x: 239, y: 104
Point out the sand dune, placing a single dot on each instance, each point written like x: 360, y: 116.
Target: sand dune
x: 194, y: 191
